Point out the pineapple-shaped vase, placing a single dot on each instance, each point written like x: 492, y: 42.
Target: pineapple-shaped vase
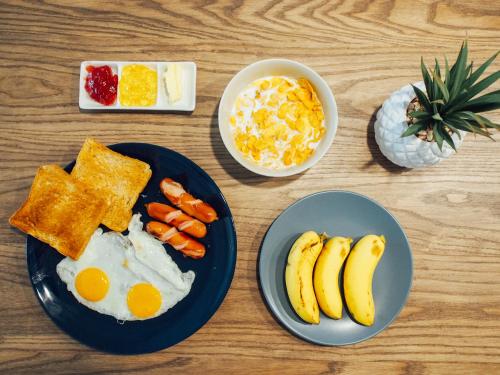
x: 409, y: 152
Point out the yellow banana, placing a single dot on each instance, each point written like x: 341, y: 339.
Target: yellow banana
x: 326, y: 275
x: 299, y: 274
x: 358, y: 276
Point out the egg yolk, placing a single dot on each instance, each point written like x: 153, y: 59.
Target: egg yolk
x: 143, y: 300
x: 92, y: 284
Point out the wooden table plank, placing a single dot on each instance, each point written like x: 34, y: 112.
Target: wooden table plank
x: 365, y: 50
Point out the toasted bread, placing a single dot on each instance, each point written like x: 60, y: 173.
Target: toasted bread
x: 118, y: 178
x: 60, y: 211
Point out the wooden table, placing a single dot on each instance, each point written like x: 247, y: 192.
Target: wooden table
x: 365, y: 50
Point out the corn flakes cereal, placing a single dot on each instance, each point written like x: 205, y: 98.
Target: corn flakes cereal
x: 277, y: 122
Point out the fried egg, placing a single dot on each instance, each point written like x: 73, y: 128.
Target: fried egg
x: 128, y: 277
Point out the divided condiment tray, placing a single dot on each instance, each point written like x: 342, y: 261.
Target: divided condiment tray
x: 187, y: 101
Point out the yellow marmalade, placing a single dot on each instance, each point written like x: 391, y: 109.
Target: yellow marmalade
x: 277, y: 122
x: 138, y: 86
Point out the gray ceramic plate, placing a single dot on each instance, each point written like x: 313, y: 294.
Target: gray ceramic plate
x: 339, y: 213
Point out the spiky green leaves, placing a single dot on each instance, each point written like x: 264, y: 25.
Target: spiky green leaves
x: 450, y: 103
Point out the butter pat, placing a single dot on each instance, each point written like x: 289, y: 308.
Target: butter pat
x: 173, y: 82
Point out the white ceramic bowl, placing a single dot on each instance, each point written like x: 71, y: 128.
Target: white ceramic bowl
x: 275, y: 67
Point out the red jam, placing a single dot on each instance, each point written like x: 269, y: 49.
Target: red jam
x: 101, y: 84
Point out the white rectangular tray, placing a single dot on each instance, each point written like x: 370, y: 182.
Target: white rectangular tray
x: 188, y: 86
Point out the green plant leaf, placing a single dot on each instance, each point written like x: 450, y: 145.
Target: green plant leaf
x: 482, y: 85
x: 414, y: 129
x: 455, y: 130
x: 437, y: 69
x: 422, y: 98
x: 468, y: 71
x: 420, y: 114
x: 483, y: 107
x: 437, y: 101
x: 483, y: 122
x: 489, y: 123
x: 447, y: 74
x: 426, y: 76
x: 475, y: 75
x: 438, y: 137
x: 436, y: 94
x: 459, y: 70
x: 447, y: 138
x: 459, y: 124
x: 437, y: 116
x: 442, y: 87
x: 463, y: 98
x: 467, y: 115
x: 487, y: 102
x: 465, y: 125
x: 476, y: 129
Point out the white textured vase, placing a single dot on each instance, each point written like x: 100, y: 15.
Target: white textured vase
x: 409, y: 152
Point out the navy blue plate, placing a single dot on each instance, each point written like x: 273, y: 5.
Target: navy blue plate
x: 213, y: 273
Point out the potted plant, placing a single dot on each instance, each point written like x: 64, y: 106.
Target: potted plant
x: 424, y: 123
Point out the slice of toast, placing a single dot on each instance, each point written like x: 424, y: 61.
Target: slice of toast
x: 60, y: 211
x: 118, y: 178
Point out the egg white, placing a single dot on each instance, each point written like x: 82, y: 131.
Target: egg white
x: 128, y: 260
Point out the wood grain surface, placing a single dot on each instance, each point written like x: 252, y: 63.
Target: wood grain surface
x: 365, y: 50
